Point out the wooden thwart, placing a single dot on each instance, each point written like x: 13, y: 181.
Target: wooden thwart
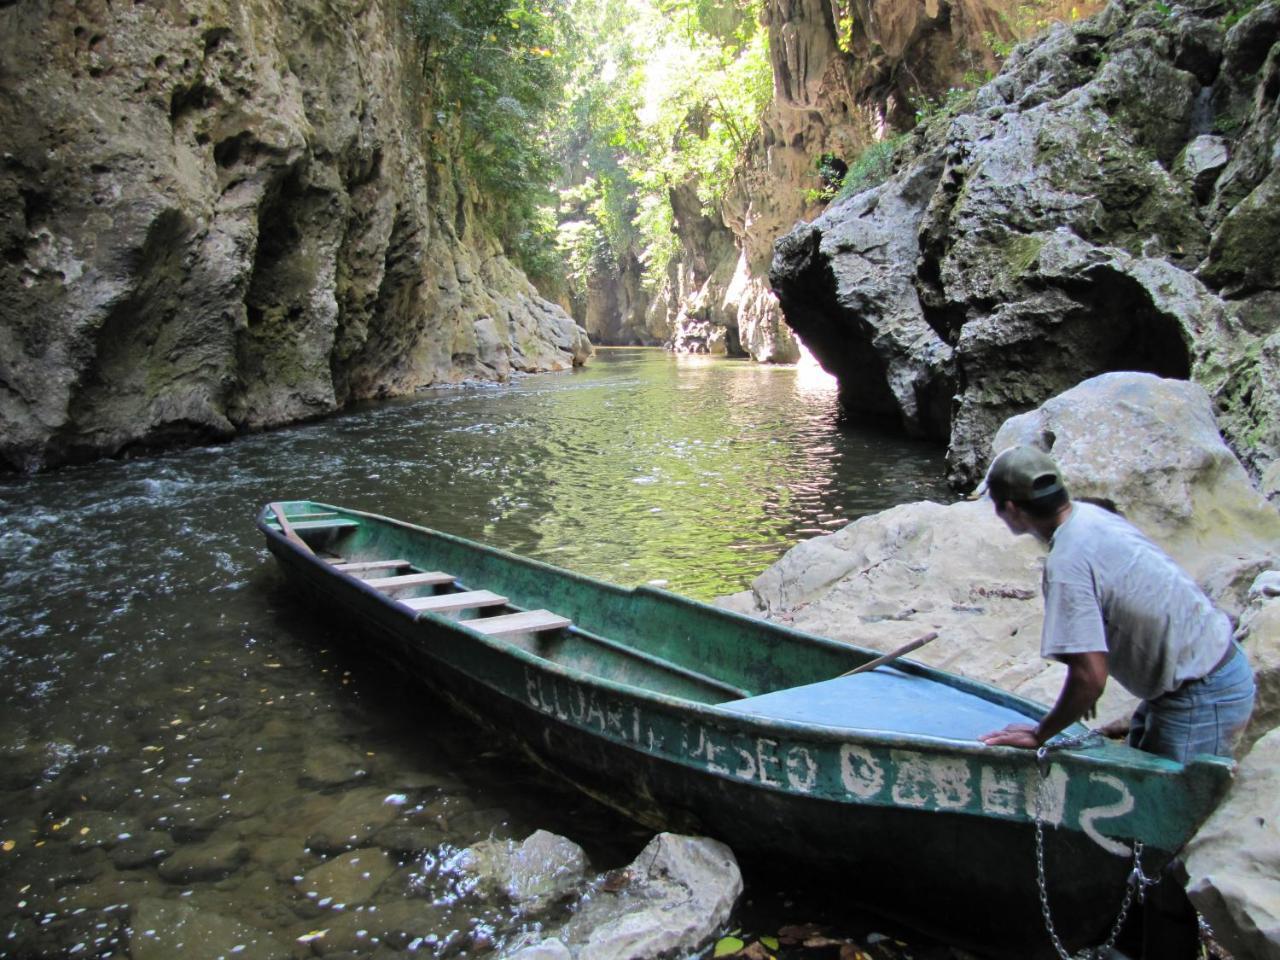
x: 361, y: 566
x: 527, y: 621
x: 429, y: 578
x: 464, y: 600
x: 340, y: 523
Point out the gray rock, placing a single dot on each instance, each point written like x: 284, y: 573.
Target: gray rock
x: 1259, y: 633
x: 408, y: 840
x: 190, y: 819
x: 163, y: 929
x: 533, y: 874
x: 349, y: 880
x: 332, y: 764
x: 1048, y: 240
x: 681, y: 892
x: 546, y: 950
x: 194, y: 863
x: 1234, y: 860
x: 1200, y: 163
x: 146, y: 848
x: 350, y: 819
x: 1152, y: 446
x: 97, y: 828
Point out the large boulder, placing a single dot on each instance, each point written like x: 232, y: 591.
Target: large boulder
x: 1146, y: 444
x: 1105, y: 203
x: 1234, y: 861
x: 681, y: 891
x: 1152, y: 447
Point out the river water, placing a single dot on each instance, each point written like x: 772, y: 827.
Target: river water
x: 188, y: 754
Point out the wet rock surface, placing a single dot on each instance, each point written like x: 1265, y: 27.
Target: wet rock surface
x: 1086, y: 212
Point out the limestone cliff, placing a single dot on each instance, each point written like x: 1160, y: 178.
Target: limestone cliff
x: 1108, y: 202
x: 220, y: 217
x: 837, y: 88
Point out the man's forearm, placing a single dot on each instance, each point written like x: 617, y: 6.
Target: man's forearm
x: 1086, y: 679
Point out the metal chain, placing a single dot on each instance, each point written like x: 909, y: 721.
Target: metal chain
x: 1137, y: 882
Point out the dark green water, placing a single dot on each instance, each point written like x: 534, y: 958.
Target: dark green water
x: 179, y: 737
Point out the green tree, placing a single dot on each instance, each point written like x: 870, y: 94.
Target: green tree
x: 495, y: 71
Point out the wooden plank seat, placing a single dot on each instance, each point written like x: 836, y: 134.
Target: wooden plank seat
x: 526, y: 621
x: 364, y: 566
x: 340, y: 523
x: 315, y: 515
x: 450, y: 602
x: 429, y: 578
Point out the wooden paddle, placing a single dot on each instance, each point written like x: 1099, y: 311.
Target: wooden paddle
x: 906, y: 648
x: 287, y: 528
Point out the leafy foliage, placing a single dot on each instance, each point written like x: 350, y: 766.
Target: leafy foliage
x: 873, y: 166
x: 495, y: 70
x: 666, y: 93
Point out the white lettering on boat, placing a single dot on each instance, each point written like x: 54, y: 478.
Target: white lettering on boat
x: 594, y: 714
x: 1052, y: 790
x: 709, y: 750
x: 1002, y: 792
x: 1120, y: 807
x: 766, y: 755
x: 802, y: 770
x: 748, y: 769
x: 860, y: 771
x: 940, y: 783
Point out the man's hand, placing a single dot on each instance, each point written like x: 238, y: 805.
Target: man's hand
x: 1014, y: 735
x: 1116, y: 729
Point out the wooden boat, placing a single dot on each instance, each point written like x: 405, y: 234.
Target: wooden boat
x: 690, y: 717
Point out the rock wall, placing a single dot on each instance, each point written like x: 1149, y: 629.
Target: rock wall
x: 1107, y: 202
x: 828, y: 98
x: 219, y: 217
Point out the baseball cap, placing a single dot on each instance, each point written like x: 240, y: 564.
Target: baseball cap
x: 1022, y: 473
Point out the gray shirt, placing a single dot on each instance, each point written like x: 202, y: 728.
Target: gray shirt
x: 1108, y: 589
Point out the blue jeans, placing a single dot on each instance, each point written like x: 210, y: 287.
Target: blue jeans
x: 1201, y: 716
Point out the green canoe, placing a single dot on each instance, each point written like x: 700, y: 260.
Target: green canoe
x: 690, y: 717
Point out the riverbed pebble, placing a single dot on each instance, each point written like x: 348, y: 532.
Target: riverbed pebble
x: 349, y: 819
x: 197, y: 862
x: 408, y: 840
x: 350, y: 879
x: 190, y: 820
x: 164, y: 929
x: 333, y: 764
x: 139, y: 850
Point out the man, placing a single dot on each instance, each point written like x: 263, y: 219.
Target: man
x: 1117, y: 606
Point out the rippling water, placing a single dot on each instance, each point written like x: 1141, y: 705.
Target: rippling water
x: 179, y: 737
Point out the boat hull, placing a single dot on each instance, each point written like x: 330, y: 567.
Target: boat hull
x: 937, y: 835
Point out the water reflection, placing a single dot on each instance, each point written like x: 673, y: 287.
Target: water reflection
x: 182, y: 743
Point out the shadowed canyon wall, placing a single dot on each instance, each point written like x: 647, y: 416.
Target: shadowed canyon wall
x: 222, y: 216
